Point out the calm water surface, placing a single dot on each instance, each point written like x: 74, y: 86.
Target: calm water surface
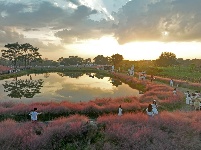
x: 57, y: 87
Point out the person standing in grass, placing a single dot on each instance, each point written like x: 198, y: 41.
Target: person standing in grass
x: 175, y: 91
x: 34, y: 115
x: 188, y: 97
x: 171, y: 83
x: 152, y: 77
x: 149, y: 111
x: 120, y: 111
x: 154, y: 107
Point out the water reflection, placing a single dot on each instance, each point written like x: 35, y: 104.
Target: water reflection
x: 46, y: 75
x: 115, y: 82
x: 71, y: 74
x: 23, y: 88
x: 69, y: 86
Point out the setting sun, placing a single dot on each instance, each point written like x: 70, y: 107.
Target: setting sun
x: 108, y: 46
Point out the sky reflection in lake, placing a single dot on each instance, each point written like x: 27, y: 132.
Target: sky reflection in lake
x: 58, y: 87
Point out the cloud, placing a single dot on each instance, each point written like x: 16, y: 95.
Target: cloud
x: 31, y: 16
x: 134, y: 20
x: 9, y: 35
x: 76, y: 2
x: 79, y: 27
x: 158, y: 20
x: 72, y: 24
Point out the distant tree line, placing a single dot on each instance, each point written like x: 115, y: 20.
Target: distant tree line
x: 25, y: 54
x: 99, y: 60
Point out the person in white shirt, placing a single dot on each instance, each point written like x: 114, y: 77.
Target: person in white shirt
x: 171, y: 82
x: 154, y: 107
x: 34, y: 115
x: 175, y: 91
x: 120, y: 111
x: 188, y: 97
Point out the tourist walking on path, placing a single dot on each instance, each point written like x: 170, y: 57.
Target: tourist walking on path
x: 120, y: 111
x: 34, y: 115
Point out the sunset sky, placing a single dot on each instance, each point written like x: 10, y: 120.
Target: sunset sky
x: 136, y: 29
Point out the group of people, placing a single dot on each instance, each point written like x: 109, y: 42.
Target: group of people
x: 152, y: 109
x: 193, y: 99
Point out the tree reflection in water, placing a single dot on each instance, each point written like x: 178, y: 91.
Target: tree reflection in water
x: 71, y: 74
x: 23, y: 88
x: 115, y: 82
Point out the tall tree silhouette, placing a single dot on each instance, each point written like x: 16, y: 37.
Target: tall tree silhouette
x: 12, y: 53
x: 116, y: 59
x: 24, y: 52
x: 166, y: 59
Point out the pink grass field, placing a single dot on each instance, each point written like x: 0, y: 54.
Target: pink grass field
x: 133, y: 130
x: 169, y: 130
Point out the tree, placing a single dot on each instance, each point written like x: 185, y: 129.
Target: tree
x: 166, y: 59
x: 101, y: 60
x: 47, y: 62
x: 87, y: 61
x: 4, y: 61
x: 29, y: 53
x: 16, y: 52
x: 60, y: 61
x: 116, y: 59
x: 12, y: 53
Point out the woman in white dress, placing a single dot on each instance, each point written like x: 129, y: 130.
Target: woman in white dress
x: 149, y: 111
x: 175, y: 91
x: 120, y: 111
x: 154, y: 107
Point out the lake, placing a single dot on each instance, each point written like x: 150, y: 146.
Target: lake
x: 74, y: 87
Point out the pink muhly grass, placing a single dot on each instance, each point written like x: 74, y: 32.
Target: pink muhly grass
x: 125, y: 118
x: 73, y: 106
x: 7, y: 104
x: 129, y: 79
x: 108, y: 146
x: 148, y: 98
x: 72, y: 118
x: 63, y: 129
x: 167, y: 131
x: 159, y: 87
x: 15, y: 135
